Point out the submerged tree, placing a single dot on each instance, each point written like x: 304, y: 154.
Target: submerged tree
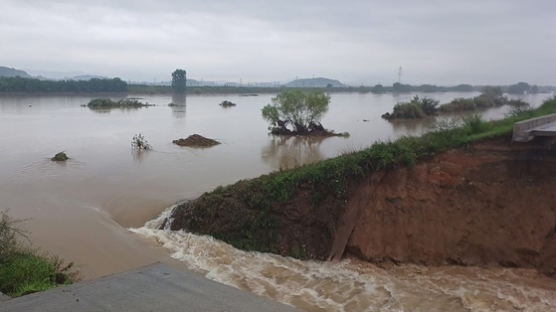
x: 297, y: 112
x: 139, y: 143
x: 179, y: 80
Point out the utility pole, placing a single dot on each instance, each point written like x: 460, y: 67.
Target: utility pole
x: 400, y: 75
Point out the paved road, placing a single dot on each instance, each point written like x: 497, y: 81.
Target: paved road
x: 156, y: 287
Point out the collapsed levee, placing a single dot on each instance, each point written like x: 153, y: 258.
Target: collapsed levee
x: 464, y: 196
x: 490, y: 202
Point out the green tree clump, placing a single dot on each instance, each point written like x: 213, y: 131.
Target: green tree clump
x: 179, y: 80
x: 522, y: 88
x: 490, y: 97
x: 416, y: 108
x: 297, y: 112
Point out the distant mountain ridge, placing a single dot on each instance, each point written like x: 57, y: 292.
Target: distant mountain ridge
x: 86, y: 77
x: 319, y: 82
x: 12, y: 72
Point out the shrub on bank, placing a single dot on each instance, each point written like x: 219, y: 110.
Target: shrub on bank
x: 491, y: 97
x: 24, y: 270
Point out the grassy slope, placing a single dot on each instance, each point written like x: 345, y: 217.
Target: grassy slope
x: 24, y: 270
x: 260, y: 229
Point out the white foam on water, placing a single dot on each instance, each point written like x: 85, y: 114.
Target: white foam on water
x: 353, y: 285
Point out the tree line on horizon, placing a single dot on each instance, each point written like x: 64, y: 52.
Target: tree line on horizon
x: 518, y: 88
x: 20, y: 84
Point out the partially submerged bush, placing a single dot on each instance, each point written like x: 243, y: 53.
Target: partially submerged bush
x: 24, y: 270
x: 139, y: 143
x: 227, y: 103
x: 459, y: 104
x: 61, y: 156
x: 123, y: 103
x: 520, y: 109
x: 474, y: 124
x: 416, y: 108
x: 491, y: 97
x: 8, y: 235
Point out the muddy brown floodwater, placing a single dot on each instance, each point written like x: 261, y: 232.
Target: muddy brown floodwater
x: 81, y: 209
x: 354, y: 285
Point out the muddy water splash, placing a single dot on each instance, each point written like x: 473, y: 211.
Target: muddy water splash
x: 353, y: 285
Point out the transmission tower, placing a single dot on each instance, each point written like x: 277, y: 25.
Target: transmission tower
x: 400, y: 75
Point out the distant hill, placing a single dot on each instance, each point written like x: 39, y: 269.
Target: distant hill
x: 86, y: 77
x: 12, y: 72
x: 314, y: 83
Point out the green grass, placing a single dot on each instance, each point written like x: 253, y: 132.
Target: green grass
x: 24, y: 270
x: 330, y: 180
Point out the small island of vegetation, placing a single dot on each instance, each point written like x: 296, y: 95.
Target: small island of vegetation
x: 298, y: 112
x: 423, y: 107
x: 123, y: 103
x: 416, y: 108
x: 227, y: 104
x: 61, y: 156
x: 490, y: 97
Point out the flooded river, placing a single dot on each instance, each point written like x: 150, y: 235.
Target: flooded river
x: 81, y: 210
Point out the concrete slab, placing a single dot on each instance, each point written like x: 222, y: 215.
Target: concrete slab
x: 156, y: 287
x: 544, y: 130
x: 526, y: 130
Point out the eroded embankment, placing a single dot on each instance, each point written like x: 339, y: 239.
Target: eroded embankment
x: 489, y: 203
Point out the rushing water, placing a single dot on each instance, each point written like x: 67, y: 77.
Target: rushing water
x: 81, y: 209
x: 352, y: 285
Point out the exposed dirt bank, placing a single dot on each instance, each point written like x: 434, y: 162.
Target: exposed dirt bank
x: 490, y: 203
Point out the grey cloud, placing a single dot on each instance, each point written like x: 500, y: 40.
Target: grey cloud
x: 444, y: 42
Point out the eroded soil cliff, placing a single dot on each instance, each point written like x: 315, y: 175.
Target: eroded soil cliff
x: 489, y: 203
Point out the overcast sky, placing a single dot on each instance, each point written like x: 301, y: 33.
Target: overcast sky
x: 441, y: 42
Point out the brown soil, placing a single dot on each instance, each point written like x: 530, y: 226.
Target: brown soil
x: 491, y: 203
x: 196, y: 140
